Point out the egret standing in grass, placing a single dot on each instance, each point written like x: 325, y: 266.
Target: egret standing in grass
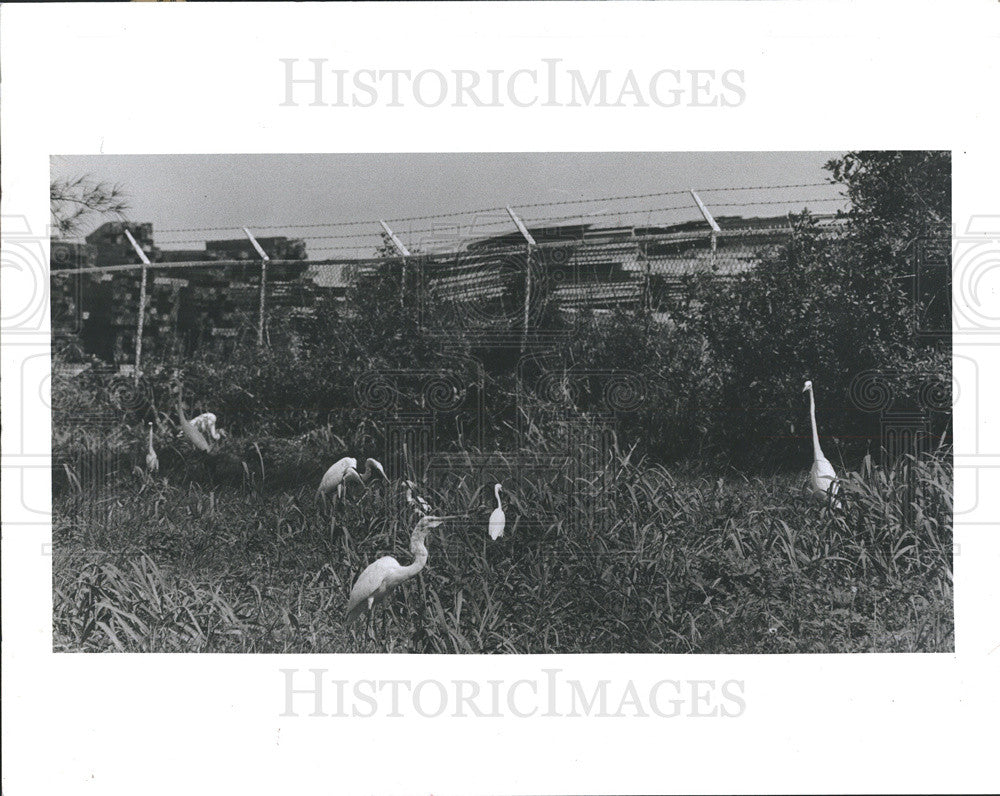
x: 497, y: 519
x: 342, y: 473
x: 222, y: 465
x: 152, y: 462
x: 195, y: 437
x: 345, y: 472
x: 822, y: 477
x: 383, y: 575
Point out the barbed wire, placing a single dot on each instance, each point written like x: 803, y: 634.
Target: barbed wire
x: 782, y: 202
x: 501, y: 208
x: 468, y: 230
x: 765, y: 187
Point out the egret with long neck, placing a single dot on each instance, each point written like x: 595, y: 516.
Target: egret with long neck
x: 497, y: 519
x: 822, y: 476
x: 205, y: 423
x: 195, y: 437
x: 343, y: 472
x: 383, y: 575
x: 152, y: 462
x: 224, y: 466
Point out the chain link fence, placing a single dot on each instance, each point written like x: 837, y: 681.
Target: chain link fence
x: 191, y: 305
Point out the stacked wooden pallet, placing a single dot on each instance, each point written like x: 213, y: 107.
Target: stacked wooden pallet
x: 290, y: 294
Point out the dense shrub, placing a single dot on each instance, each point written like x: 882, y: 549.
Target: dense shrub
x: 836, y: 309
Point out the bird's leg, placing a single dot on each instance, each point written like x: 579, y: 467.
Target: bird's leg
x: 388, y: 637
x: 371, y: 624
x: 388, y: 620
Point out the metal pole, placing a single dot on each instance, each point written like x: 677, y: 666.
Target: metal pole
x: 647, y: 288
x: 527, y: 295
x: 711, y: 222
x: 263, y: 286
x: 530, y: 241
x: 403, y: 253
x: 142, y: 305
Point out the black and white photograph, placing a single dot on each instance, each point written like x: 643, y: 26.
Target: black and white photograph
x: 600, y: 418
x: 482, y: 398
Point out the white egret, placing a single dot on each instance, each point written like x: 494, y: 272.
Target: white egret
x: 497, y: 518
x: 205, y: 423
x: 822, y: 476
x: 344, y: 472
x: 152, y: 462
x: 225, y: 466
x: 195, y: 436
x: 386, y: 573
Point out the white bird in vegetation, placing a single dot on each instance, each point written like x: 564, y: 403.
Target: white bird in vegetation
x: 383, y: 575
x: 223, y: 465
x: 205, y: 423
x: 822, y: 476
x: 195, y: 437
x: 420, y: 505
x: 152, y: 462
x: 344, y: 472
x: 497, y: 519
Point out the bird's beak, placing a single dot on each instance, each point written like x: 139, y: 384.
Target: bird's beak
x: 442, y: 520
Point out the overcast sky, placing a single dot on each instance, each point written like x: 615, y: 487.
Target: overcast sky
x: 270, y: 192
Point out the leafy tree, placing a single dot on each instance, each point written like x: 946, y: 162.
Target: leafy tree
x: 825, y: 307
x: 898, y: 199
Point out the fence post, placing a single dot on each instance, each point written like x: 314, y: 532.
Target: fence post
x: 403, y: 253
x: 711, y: 222
x: 142, y: 304
x: 263, y: 286
x: 647, y: 272
x: 530, y: 242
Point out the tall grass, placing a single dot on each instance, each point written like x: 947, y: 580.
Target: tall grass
x: 639, y: 558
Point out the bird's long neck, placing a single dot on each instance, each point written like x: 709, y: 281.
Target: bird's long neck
x: 419, y: 550
x: 817, y: 451
x: 193, y: 434
x: 496, y: 491
x: 150, y: 439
